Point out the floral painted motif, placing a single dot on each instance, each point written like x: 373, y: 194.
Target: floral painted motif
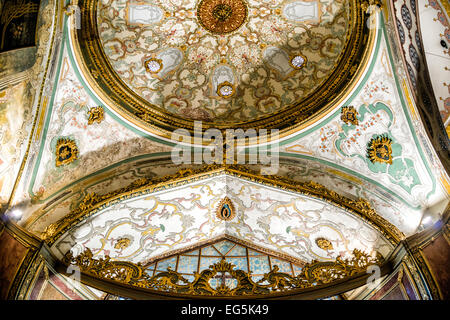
x: 314, y: 30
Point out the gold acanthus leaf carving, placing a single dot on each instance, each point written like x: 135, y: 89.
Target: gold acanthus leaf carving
x: 313, y: 274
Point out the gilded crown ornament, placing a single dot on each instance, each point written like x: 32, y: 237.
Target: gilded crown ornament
x: 379, y: 150
x: 324, y: 244
x: 122, y: 243
x: 96, y: 114
x: 349, y: 115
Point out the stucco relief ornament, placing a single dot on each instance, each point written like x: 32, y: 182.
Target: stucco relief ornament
x: 324, y: 244
x: 96, y: 114
x: 122, y: 243
x: 349, y: 115
x: 222, y: 16
x: 66, y: 152
x: 380, y: 150
x: 225, y: 210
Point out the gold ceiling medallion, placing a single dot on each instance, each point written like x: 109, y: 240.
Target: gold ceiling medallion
x: 66, y: 151
x: 324, y: 244
x: 380, y: 150
x: 153, y: 65
x: 297, y: 61
x: 96, y: 114
x: 312, y: 274
x: 225, y: 210
x: 122, y: 243
x: 226, y: 90
x: 349, y: 115
x: 221, y: 16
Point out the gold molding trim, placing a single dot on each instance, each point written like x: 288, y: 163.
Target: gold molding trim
x: 94, y: 202
x: 312, y: 274
x: 115, y: 93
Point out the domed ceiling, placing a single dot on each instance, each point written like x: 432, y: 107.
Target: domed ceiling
x: 229, y: 63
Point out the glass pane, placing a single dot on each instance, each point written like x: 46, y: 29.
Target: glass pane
x: 205, y: 262
x: 237, y: 251
x: 240, y: 263
x: 224, y: 246
x: 209, y: 251
x: 164, y: 264
x: 259, y: 265
x: 283, y: 265
x: 188, y: 264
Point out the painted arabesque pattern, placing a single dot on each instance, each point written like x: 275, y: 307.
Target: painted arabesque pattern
x: 381, y: 112
x: 285, y: 222
x: 255, y: 59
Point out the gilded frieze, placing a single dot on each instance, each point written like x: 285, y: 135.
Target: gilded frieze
x: 96, y: 114
x: 313, y: 274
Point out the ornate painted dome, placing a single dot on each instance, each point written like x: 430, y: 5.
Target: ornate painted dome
x: 229, y: 63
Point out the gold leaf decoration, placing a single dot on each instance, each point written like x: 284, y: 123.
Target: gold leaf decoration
x: 313, y: 274
x: 380, y: 150
x: 225, y: 210
x: 221, y: 16
x: 324, y: 244
x: 122, y: 243
x: 96, y: 114
x: 66, y: 151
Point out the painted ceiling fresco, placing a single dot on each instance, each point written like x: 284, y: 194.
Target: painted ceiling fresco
x: 277, y: 220
x: 71, y: 108
x: 382, y: 114
x: 332, y: 152
x: 14, y: 110
x: 371, y: 146
x: 175, y: 55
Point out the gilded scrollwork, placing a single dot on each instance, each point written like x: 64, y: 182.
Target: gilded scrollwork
x: 312, y: 274
x: 96, y: 114
x: 356, y: 40
x: 66, y: 152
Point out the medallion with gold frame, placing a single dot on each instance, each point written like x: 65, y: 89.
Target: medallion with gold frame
x: 66, y: 152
